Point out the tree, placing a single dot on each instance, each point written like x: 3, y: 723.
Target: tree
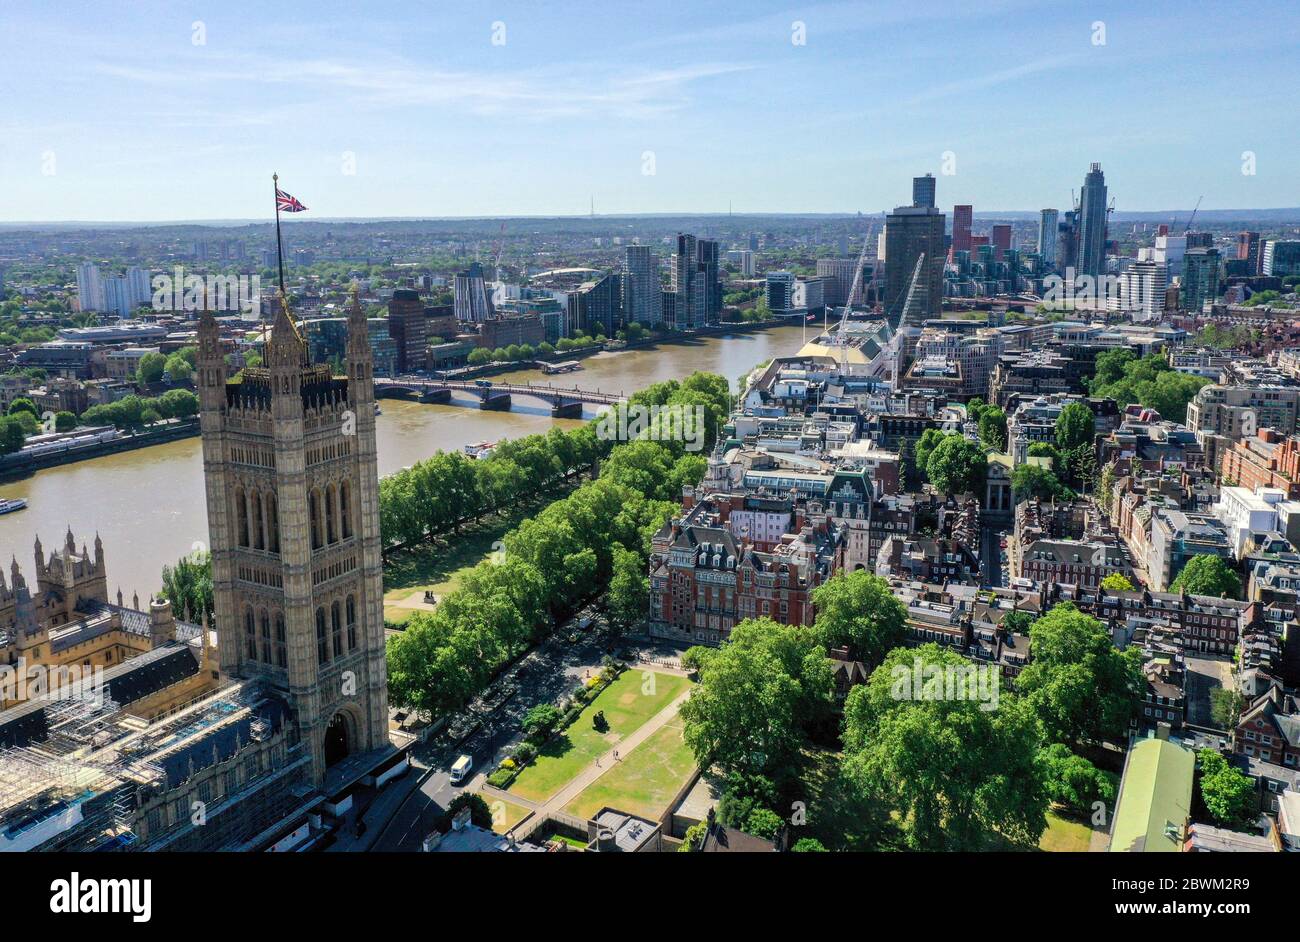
x: 808, y: 845
x: 23, y: 404
x: 150, y: 368
x: 64, y: 421
x: 1075, y: 426
x: 1034, y: 482
x: 975, y: 410
x: 858, y: 610
x: 480, y: 815
x: 1082, y: 688
x: 957, y: 466
x: 925, y: 446
x: 541, y: 720
x: 178, y: 368
x: 1017, y: 622
x: 1226, y: 704
x: 479, y: 356
x: 188, y: 586
x: 629, y: 589
x: 993, y: 428
x: 1117, y: 582
x: 1072, y: 781
x: 955, y: 774
x: 1208, y: 575
x: 756, y: 697
x: 764, y: 823
x: 11, y: 435
x: 1228, y: 793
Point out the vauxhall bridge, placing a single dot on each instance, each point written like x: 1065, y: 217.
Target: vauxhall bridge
x: 564, y: 403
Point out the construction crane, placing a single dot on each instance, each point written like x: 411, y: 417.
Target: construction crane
x: 841, y: 338
x: 1192, y: 218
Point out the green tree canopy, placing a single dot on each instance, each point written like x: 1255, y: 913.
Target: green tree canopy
x: 1208, y: 575
x: 756, y: 697
x: 858, y: 610
x: 957, y: 466
x: 1075, y: 426
x: 958, y: 776
x: 1082, y: 688
x: 1228, y: 793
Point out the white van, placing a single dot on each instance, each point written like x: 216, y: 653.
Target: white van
x: 460, y: 768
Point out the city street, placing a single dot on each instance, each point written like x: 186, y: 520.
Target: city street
x: 542, y: 676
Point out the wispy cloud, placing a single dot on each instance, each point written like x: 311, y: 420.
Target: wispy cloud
x: 539, y: 94
x: 973, y: 83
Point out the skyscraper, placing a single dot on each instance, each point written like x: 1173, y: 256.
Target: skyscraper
x: 293, y: 516
x: 472, y: 304
x: 923, y: 190
x: 1047, y: 235
x: 641, y: 301
x: 694, y: 283
x: 1001, y: 240
x: 1248, y: 251
x: 1200, y: 278
x: 962, y: 218
x: 1092, y: 223
x: 90, y: 288
x: 910, y: 232
x: 409, y: 329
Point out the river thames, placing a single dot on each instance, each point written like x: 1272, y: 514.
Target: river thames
x: 149, y: 506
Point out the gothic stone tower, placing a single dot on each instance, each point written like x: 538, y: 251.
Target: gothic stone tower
x: 293, y: 513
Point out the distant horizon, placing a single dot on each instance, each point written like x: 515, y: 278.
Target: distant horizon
x: 1133, y: 215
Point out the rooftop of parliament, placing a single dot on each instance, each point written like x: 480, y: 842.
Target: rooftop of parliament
x: 124, y: 728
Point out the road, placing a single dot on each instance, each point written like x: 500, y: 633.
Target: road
x: 540, y: 677
x: 992, y: 559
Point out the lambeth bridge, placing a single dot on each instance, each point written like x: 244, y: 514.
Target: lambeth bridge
x: 564, y: 403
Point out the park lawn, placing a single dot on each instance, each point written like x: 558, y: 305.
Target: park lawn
x: 1065, y: 835
x: 644, y: 781
x: 438, y: 567
x: 626, y: 709
x: 505, y: 814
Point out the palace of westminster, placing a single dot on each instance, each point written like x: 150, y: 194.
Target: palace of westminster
x: 129, y: 729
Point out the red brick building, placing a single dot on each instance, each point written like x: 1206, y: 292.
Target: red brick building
x: 1268, y: 460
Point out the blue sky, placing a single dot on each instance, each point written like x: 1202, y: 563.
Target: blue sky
x: 114, y: 115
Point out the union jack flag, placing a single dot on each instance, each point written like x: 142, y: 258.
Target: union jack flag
x: 286, y: 203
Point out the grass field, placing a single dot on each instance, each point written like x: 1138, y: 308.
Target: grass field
x: 438, y: 567
x: 626, y: 709
x: 1065, y: 835
x: 505, y: 814
x: 644, y: 781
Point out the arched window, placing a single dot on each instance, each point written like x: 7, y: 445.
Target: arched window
x: 272, y: 524
x: 331, y: 522
x: 322, y: 641
x: 352, y: 622
x: 250, y: 635
x: 241, y: 515
x: 336, y: 629
x: 281, y: 648
x: 313, y: 513
x: 258, y: 540
x: 266, y: 636
x: 345, y: 508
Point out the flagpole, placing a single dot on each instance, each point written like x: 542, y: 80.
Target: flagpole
x: 279, y: 242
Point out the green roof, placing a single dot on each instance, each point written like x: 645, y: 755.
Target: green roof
x: 1155, y: 797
